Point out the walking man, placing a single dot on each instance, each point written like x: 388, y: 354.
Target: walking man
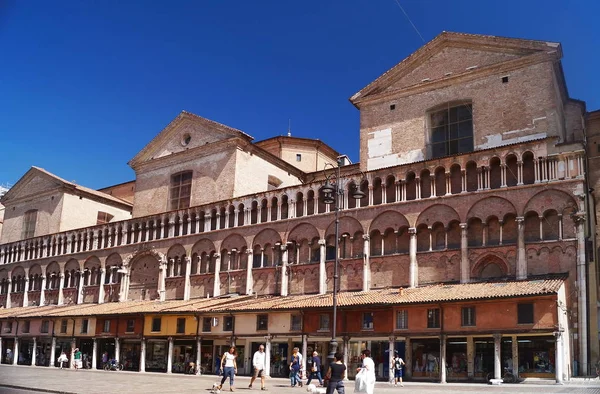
x: 397, y: 364
x: 259, y: 363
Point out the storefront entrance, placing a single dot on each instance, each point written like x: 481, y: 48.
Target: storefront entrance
x: 25, y: 351
x: 206, y: 357
x: 42, y: 353
x: 536, y: 357
x: 426, y: 358
x: 184, y: 353
x: 130, y: 354
x: 106, y: 345
x: 9, y: 346
x: 62, y: 345
x: 456, y: 359
x: 156, y: 355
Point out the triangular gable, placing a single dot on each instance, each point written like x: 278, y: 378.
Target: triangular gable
x: 34, y: 182
x: 186, y: 131
x: 451, y: 54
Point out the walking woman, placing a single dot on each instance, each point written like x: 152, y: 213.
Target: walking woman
x: 295, y: 366
x: 336, y: 374
x: 229, y: 367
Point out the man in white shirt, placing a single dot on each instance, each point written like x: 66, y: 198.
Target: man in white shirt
x: 259, y: 362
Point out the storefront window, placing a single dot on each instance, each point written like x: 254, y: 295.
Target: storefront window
x: 484, y: 357
x: 184, y: 353
x: 130, y: 355
x: 426, y: 358
x: 536, y: 356
x: 456, y: 358
x: 156, y: 356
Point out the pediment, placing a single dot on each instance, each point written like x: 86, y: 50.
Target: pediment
x: 452, y: 54
x: 187, y: 131
x: 35, y: 182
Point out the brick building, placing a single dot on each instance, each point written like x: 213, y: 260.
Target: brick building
x: 468, y: 252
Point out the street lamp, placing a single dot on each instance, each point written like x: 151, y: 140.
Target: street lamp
x: 332, y: 192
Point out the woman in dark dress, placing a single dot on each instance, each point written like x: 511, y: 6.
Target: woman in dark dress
x: 336, y: 374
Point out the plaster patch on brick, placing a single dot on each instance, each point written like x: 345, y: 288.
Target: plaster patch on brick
x: 395, y: 159
x: 380, y: 143
x: 498, y: 140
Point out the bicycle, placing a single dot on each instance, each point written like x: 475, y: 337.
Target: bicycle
x: 113, y: 365
x: 507, y: 376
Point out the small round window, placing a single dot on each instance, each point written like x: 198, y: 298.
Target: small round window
x: 185, y: 141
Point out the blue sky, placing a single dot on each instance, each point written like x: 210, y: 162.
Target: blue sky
x: 86, y: 84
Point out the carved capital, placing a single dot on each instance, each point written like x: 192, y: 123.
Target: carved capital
x: 412, y: 230
x: 520, y: 219
x: 217, y: 255
x: 322, y: 242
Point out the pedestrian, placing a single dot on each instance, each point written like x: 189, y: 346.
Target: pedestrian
x: 62, y: 359
x: 229, y: 367
x: 104, y: 359
x: 77, y: 359
x: 315, y: 369
x: 295, y: 366
x: 369, y: 370
x: 335, y: 375
x: 397, y: 364
x: 259, y: 363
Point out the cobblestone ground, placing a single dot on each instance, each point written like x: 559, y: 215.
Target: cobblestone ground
x: 103, y: 382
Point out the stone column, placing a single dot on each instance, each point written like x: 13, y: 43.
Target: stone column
x: 346, y: 348
x: 465, y: 272
x: 198, y: 354
x: 470, y: 358
x: 8, y: 300
x: 217, y: 282
x: 80, y: 288
x: 53, y: 351
x: 34, y: 351
x: 188, y: 269
x: 43, y: 291
x: 162, y: 277
x: 442, y: 358
x: 170, y: 355
x: 515, y: 356
x: 249, y: 277
x: 366, y: 263
x: 304, y: 350
x: 391, y: 350
x: 284, y: 271
x: 268, y: 355
x: 26, y: 291
x: 15, y: 352
x: 143, y: 355
x: 322, y: 268
x: 117, y: 349
x: 412, y: 270
x: 94, y: 353
x: 497, y: 361
x: 408, y: 357
x: 521, y: 255
x: 101, y: 287
x: 582, y: 319
x: 559, y: 354
x: 61, y: 284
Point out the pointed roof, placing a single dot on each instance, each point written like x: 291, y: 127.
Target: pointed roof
x: 516, y: 46
x: 164, y: 137
x: 21, y: 185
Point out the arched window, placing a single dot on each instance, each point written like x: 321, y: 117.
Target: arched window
x: 180, y: 190
x: 451, y: 129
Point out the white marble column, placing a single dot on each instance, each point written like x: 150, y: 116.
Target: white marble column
x: 304, y: 350
x: 94, y: 353
x: 322, y: 268
x: 61, y: 283
x: 80, y: 288
x: 268, y: 355
x: 521, y: 255
x: 413, y: 267
x: 43, y: 291
x: 582, y: 319
x: 198, y: 354
x: 170, y: 355
x: 188, y: 269
x: 217, y: 282
x: 143, y: 355
x: 285, y: 276
x: 117, y: 349
x: 497, y: 360
x: 249, y: 277
x: 26, y: 291
x: 442, y: 358
x: 162, y: 277
x: 15, y: 351
x: 34, y: 351
x: 53, y: 351
x: 465, y: 272
x: 8, y: 293
x: 346, y: 348
x: 391, y: 350
x: 366, y: 263
x: 101, y: 286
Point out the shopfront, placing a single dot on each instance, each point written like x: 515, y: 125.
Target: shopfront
x: 25, y: 351
x: 42, y: 353
x: 279, y: 359
x: 536, y: 356
x: 156, y: 355
x: 130, y: 354
x: 184, y: 353
x: 206, y: 357
x: 104, y: 345
x: 426, y: 358
x: 380, y: 353
x: 8, y: 344
x: 62, y: 345
x: 484, y: 357
x: 456, y: 359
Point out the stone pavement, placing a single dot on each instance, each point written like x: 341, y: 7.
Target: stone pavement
x: 103, y: 382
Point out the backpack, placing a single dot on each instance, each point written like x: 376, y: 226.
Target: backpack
x: 397, y: 363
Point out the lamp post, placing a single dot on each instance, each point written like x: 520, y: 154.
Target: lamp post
x: 331, y: 193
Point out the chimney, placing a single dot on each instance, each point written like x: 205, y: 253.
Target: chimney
x: 400, y: 291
